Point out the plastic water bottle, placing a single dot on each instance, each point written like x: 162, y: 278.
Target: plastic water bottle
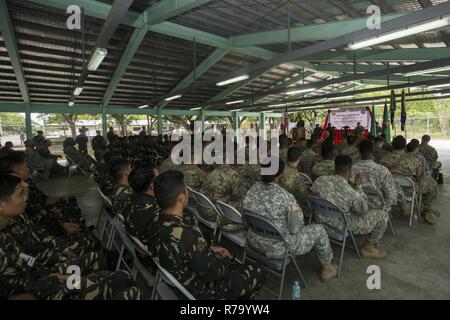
x: 296, y: 291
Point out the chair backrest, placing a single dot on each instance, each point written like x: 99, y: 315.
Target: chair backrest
x: 262, y: 227
x: 323, y: 208
x: 169, y: 279
x: 229, y: 212
x: 306, y: 179
x: 374, y: 197
x: 405, y: 182
x: 142, y: 248
x: 190, y: 193
x: 105, y: 198
x: 204, y: 202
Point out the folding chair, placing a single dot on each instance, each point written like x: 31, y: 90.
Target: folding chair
x: 306, y: 179
x: 415, y: 198
x: 202, y: 201
x: 264, y: 228
x: 140, y: 268
x: 163, y: 276
x: 124, y: 244
x: 235, y: 216
x: 72, y: 166
x: 105, y: 219
x: 375, y: 196
x: 322, y: 208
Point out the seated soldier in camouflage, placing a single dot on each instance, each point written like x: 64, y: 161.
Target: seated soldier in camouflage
x: 85, y: 161
x: 376, y: 176
x: 429, y: 152
x: 353, y: 203
x: 207, y: 272
x: 38, y: 166
x: 51, y: 216
x: 140, y: 207
x: 274, y: 203
x: 224, y: 184
x: 350, y: 149
x: 325, y: 167
x: 407, y: 164
x: 284, y: 145
x: 47, y: 276
x: 119, y: 169
x: 309, y: 158
x: 413, y: 148
x: 292, y: 181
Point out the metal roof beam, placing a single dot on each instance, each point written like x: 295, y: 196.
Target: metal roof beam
x: 315, y: 32
x: 7, y: 31
x: 203, y: 67
x: 159, y: 12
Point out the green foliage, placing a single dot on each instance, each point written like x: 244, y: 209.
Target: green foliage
x: 12, y: 122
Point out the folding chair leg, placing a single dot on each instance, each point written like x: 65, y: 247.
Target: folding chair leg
x: 300, y: 274
x: 119, y: 260
x: 355, y: 245
x: 112, y: 235
x: 155, y: 285
x: 341, y: 259
x: 391, y: 226
x: 282, y: 277
x: 413, y: 204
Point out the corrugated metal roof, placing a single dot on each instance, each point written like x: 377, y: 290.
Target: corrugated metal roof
x: 51, y: 54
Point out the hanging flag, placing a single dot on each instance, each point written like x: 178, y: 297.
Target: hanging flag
x: 393, y: 108
x: 386, y: 126
x: 373, y: 128
x: 403, y: 116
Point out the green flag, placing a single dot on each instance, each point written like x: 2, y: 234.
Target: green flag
x: 373, y: 128
x: 386, y: 123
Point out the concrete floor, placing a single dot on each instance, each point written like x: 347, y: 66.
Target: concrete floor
x: 417, y: 266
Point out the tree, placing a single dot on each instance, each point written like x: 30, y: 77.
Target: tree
x: 11, y: 122
x: 442, y: 108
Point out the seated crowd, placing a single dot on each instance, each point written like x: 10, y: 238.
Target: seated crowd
x: 41, y: 235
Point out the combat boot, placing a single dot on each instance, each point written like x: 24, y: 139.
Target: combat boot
x: 370, y: 250
x: 406, y: 209
x: 429, y: 217
x: 329, y: 271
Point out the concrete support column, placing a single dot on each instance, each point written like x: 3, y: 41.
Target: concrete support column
x: 159, y: 122
x: 104, y: 123
x: 202, y: 119
x: 235, y: 117
x: 262, y: 124
x: 28, y: 128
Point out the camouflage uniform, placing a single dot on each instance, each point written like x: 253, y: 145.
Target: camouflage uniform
x: 323, y: 168
x: 279, y: 206
x: 293, y: 183
x: 107, y: 186
x: 193, y: 175
x: 223, y: 184
x: 139, y: 211
x: 184, y: 252
x: 25, y: 273
x: 379, y: 178
x: 351, y: 151
x: 167, y: 165
x: 121, y: 192
x: 353, y: 203
x: 34, y: 238
x: 250, y: 171
x: 430, y: 154
x: 407, y: 164
x: 309, y: 158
